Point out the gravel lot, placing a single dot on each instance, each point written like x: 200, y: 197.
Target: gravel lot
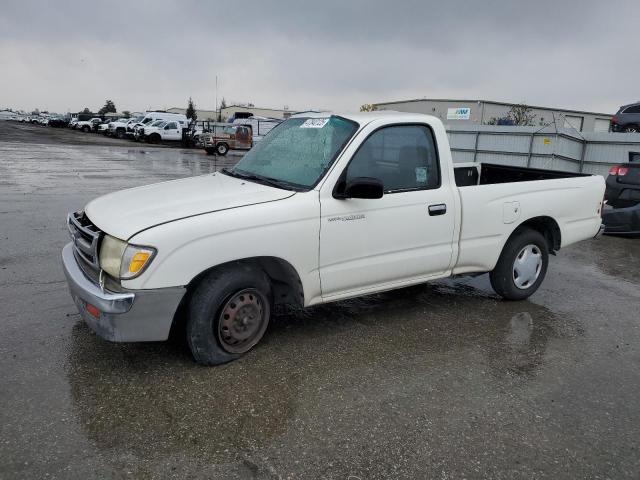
x: 437, y: 381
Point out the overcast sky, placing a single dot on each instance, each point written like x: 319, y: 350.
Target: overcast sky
x: 325, y: 54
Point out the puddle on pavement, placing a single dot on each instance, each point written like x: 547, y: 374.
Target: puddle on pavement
x: 151, y: 399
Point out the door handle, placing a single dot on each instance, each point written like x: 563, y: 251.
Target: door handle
x: 439, y: 209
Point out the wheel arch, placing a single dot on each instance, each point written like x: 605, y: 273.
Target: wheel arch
x: 285, y: 280
x: 548, y: 228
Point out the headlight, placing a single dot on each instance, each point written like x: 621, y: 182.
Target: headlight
x: 124, y: 261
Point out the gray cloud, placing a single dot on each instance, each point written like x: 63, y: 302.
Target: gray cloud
x: 329, y: 54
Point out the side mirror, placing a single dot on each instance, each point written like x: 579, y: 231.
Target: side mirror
x: 363, y: 187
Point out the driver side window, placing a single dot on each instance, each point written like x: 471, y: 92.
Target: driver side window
x: 402, y: 157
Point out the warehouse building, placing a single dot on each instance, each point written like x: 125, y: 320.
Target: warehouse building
x: 232, y: 110
x: 483, y: 112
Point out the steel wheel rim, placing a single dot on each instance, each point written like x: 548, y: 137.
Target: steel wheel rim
x: 242, y: 320
x: 527, y: 266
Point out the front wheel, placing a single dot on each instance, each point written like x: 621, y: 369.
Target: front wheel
x: 229, y: 312
x: 522, y: 265
x: 222, y: 149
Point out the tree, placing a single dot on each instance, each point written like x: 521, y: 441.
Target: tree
x: 223, y: 104
x: 109, y: 107
x: 504, y: 121
x: 86, y: 110
x: 368, y: 107
x: 521, y: 115
x: 126, y: 113
x: 35, y: 112
x: 191, y: 110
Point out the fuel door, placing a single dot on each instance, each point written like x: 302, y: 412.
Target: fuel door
x: 510, y: 212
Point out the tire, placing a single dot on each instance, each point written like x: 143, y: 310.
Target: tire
x: 222, y: 149
x: 120, y: 134
x: 85, y: 129
x: 529, y: 248
x: 153, y: 138
x: 631, y: 129
x: 215, y: 333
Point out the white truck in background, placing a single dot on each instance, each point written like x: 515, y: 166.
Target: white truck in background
x: 167, y: 131
x: 118, y: 128
x: 88, y: 125
x: 136, y: 131
x: 325, y: 207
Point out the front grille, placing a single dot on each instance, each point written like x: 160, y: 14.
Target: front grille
x: 85, y: 237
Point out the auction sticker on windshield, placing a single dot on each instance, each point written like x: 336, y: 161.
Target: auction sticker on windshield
x: 315, y: 123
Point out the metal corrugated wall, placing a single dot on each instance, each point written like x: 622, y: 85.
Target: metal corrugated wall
x: 548, y: 147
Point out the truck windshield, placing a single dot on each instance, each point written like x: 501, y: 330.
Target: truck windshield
x: 297, y: 153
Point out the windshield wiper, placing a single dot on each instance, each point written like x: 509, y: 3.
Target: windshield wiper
x: 282, y: 184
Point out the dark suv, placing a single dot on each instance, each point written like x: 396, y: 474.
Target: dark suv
x: 621, y: 214
x: 627, y: 119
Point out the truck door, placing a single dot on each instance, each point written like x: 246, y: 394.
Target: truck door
x: 405, y: 235
x: 172, y: 131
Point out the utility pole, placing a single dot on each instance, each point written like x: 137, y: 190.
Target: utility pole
x: 216, y: 106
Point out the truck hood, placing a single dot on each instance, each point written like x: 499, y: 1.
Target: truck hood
x: 123, y: 214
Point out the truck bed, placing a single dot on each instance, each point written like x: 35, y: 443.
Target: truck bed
x: 496, y: 198
x: 468, y: 174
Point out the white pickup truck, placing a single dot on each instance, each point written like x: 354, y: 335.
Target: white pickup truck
x: 324, y: 208
x: 88, y: 125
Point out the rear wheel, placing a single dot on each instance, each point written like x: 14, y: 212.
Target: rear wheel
x: 222, y: 149
x: 522, y: 265
x: 229, y: 312
x: 631, y: 129
x: 85, y: 129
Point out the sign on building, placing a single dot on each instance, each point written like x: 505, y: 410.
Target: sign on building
x: 458, y: 113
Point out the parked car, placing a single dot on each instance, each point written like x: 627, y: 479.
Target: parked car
x: 58, y: 122
x: 324, y: 208
x: 103, y: 127
x: 88, y: 125
x: 622, y: 195
x: 627, y: 119
x: 118, y: 128
x: 138, y: 130
x: 225, y: 137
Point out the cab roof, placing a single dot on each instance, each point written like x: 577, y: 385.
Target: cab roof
x: 366, y: 117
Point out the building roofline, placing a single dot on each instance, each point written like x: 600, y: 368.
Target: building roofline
x: 239, y: 106
x: 261, y: 108
x: 492, y: 102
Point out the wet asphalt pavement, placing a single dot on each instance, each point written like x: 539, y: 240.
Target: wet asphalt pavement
x: 438, y: 381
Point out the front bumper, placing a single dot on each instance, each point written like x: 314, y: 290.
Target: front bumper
x: 128, y: 316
